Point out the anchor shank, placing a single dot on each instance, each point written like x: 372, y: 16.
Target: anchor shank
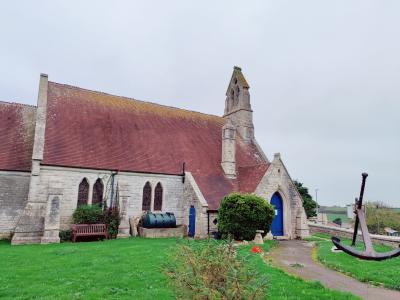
x: 353, y: 242
x: 364, y: 178
x: 365, y: 234
x: 359, y: 207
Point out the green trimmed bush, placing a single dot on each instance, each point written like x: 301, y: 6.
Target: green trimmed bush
x: 88, y: 214
x: 240, y: 215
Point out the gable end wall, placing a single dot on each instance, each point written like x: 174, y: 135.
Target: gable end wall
x: 277, y: 179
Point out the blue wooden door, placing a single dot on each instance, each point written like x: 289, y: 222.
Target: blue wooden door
x: 192, y: 221
x: 277, y: 222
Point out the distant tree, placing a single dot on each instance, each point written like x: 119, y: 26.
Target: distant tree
x: 338, y: 221
x: 379, y: 215
x: 310, y: 206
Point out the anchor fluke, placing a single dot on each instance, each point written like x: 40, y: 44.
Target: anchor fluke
x: 369, y: 252
x: 362, y: 254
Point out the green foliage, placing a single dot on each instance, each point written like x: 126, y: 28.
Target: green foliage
x: 213, y: 270
x: 310, y: 206
x: 93, y: 214
x: 240, y: 215
x: 112, y: 219
x: 380, y: 216
x: 88, y: 214
x: 338, y: 221
x: 380, y: 273
x: 65, y: 235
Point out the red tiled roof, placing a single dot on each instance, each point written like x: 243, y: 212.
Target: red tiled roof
x: 95, y: 130
x: 17, y: 130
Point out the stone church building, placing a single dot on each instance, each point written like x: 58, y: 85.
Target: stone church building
x: 79, y: 146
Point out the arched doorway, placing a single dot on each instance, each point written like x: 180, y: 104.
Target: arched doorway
x: 277, y: 222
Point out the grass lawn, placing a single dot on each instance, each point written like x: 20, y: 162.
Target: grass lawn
x: 386, y: 273
x: 118, y: 269
x: 285, y: 286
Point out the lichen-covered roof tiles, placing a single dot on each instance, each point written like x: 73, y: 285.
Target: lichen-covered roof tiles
x: 17, y: 130
x: 89, y: 129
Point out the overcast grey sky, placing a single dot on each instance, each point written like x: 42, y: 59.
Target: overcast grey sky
x: 324, y: 75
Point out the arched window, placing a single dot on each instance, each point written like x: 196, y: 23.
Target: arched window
x: 83, y: 192
x: 146, y: 202
x: 98, y: 193
x: 232, y: 95
x: 158, y: 195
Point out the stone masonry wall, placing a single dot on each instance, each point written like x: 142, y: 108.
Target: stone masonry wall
x: 348, y: 233
x: 68, y: 180
x: 14, y: 188
x: 177, y: 196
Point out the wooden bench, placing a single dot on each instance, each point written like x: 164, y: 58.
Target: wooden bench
x: 89, y: 230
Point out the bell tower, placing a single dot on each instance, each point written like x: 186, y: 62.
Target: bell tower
x: 237, y: 105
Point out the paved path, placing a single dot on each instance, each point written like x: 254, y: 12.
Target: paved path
x: 295, y: 251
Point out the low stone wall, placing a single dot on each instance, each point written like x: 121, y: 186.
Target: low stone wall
x: 179, y: 231
x: 348, y: 233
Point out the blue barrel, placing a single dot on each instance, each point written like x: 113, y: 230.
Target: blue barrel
x: 159, y: 220
x: 149, y: 220
x: 171, y: 219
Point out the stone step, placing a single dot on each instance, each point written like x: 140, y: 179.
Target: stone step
x: 281, y: 238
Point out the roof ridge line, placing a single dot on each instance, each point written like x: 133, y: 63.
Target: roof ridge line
x: 256, y: 165
x: 17, y: 103
x: 133, y: 99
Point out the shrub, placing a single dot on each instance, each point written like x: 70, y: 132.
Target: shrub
x: 213, y: 270
x: 65, y: 235
x: 112, y: 219
x: 338, y: 221
x: 88, y: 214
x: 93, y: 214
x: 241, y: 215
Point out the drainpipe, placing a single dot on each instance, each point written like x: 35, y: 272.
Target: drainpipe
x: 208, y: 223
x: 183, y: 172
x: 112, y: 187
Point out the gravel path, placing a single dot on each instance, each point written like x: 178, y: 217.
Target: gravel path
x: 294, y: 257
